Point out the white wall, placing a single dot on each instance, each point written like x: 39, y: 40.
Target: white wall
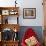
x: 27, y: 4
x: 39, y: 13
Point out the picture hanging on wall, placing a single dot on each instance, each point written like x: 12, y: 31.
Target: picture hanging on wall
x: 29, y: 13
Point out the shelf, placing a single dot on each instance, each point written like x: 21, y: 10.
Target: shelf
x: 11, y: 41
x: 6, y: 12
x: 10, y: 26
x: 9, y: 10
x: 6, y: 23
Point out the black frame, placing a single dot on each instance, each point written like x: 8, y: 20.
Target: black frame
x: 29, y: 10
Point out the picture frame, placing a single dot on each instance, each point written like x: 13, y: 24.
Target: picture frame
x: 5, y: 12
x: 29, y: 13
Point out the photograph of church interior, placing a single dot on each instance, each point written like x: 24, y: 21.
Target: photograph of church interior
x: 22, y: 22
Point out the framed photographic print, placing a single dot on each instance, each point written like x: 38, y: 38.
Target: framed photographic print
x: 5, y: 12
x: 29, y: 13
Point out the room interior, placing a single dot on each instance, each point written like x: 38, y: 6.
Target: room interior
x: 16, y: 16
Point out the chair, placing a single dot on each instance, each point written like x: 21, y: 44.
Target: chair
x: 28, y: 34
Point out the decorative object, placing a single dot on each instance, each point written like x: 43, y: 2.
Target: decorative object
x: 15, y: 34
x: 15, y: 37
x: 7, y: 34
x: 5, y: 12
x: 29, y: 13
x: 31, y: 41
x: 15, y: 3
x: 13, y: 12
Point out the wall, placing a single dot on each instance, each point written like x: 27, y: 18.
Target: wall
x: 27, y: 4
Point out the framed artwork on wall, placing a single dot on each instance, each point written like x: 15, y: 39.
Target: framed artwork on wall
x: 5, y: 12
x: 29, y: 13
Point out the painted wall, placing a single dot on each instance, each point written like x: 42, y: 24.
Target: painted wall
x: 39, y: 13
x: 27, y: 4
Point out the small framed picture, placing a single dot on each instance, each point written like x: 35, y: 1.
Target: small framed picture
x: 5, y: 12
x: 29, y: 13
